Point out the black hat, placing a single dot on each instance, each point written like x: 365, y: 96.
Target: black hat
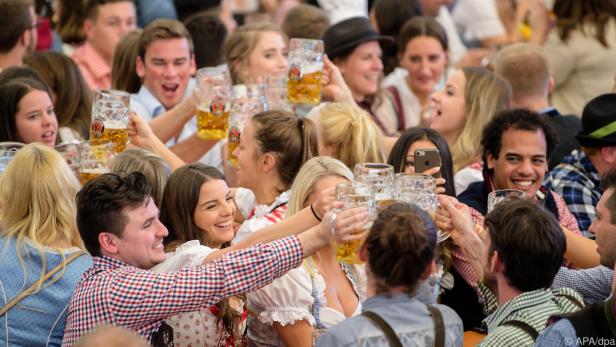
x: 349, y: 34
x: 599, y: 122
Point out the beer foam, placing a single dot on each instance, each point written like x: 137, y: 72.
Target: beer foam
x: 115, y: 124
x: 310, y: 68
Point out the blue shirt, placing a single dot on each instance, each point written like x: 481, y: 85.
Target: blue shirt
x: 406, y: 315
x: 594, y: 284
x: 148, y: 107
x: 561, y: 333
x: 578, y: 182
x: 38, y: 319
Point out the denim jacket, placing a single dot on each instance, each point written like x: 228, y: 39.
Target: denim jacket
x: 37, y: 320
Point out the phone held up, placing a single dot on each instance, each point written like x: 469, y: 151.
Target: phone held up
x: 425, y: 159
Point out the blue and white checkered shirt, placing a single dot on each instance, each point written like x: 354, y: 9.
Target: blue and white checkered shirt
x: 577, y: 181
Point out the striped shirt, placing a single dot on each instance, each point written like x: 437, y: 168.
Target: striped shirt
x: 114, y: 292
x: 533, y: 308
x: 261, y: 216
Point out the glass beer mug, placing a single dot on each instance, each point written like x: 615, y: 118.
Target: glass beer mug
x: 380, y: 177
x: 94, y: 159
x: 213, y: 87
x: 110, y: 118
x: 247, y: 101
x: 305, y: 70
x: 354, y: 194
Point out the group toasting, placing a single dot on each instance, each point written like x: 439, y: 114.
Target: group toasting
x: 307, y: 173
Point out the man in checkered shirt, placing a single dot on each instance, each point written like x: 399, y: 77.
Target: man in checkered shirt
x: 118, y: 222
x: 517, y: 256
x: 577, y: 178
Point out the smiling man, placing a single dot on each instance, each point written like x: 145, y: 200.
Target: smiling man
x: 516, y: 147
x: 165, y: 65
x: 118, y: 222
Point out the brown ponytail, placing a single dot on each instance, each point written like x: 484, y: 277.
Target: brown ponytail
x: 283, y: 133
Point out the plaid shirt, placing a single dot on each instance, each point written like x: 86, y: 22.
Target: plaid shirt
x: 594, y: 284
x: 577, y: 181
x: 533, y: 308
x: 114, y: 292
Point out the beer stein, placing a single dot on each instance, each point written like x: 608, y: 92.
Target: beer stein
x: 213, y: 87
x: 305, y: 70
x: 110, y: 118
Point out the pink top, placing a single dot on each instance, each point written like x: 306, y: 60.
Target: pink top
x: 93, y: 67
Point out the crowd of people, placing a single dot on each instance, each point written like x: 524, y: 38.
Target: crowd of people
x: 177, y: 245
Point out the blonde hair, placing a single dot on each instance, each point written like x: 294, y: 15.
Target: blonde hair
x: 154, y: 168
x: 310, y: 173
x: 485, y: 94
x: 354, y: 135
x: 37, y: 200
x: 240, y: 44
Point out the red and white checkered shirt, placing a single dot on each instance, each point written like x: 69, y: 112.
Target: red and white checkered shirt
x: 94, y: 69
x: 114, y: 292
x: 464, y: 268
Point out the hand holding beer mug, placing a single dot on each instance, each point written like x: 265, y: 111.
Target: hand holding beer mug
x: 381, y: 178
x: 110, y: 118
x: 420, y: 190
x: 95, y: 159
x: 498, y: 196
x: 305, y: 70
x: 213, y: 87
x: 352, y: 195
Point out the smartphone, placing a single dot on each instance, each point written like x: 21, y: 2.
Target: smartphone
x: 425, y: 159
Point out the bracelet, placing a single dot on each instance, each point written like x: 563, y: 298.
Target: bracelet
x: 314, y: 213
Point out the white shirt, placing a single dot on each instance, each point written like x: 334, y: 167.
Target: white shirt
x: 410, y: 103
x: 456, y: 47
x: 477, y: 20
x: 291, y: 298
x: 339, y: 10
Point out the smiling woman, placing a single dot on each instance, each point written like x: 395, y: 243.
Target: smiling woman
x: 254, y: 51
x: 27, y: 113
x: 198, y: 210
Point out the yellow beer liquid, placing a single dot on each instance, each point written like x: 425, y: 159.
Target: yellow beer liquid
x: 232, y: 143
x: 115, y: 132
x: 383, y: 204
x: 212, y: 127
x: 87, y: 175
x: 305, y: 90
x: 348, y: 252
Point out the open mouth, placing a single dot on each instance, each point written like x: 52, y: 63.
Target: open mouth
x: 224, y: 224
x: 170, y: 87
x: 48, y: 136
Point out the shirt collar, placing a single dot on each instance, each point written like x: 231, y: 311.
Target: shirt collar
x: 521, y: 302
x: 149, y: 101
x: 107, y: 263
x: 387, y: 299
x: 581, y: 160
